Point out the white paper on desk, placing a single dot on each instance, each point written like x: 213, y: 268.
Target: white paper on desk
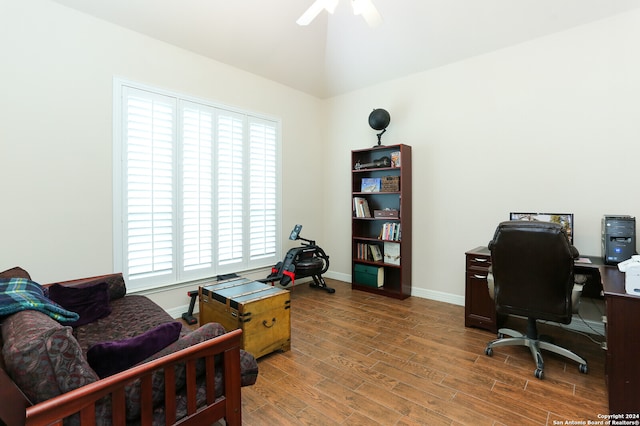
x: 582, y: 260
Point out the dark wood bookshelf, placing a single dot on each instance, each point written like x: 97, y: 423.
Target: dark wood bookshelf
x: 367, y: 230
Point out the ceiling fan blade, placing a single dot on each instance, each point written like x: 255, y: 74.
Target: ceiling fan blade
x: 368, y: 12
x: 311, y: 13
x: 315, y: 9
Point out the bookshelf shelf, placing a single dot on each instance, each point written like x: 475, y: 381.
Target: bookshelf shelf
x: 394, y: 197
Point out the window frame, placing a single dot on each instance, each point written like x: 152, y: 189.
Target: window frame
x: 179, y: 273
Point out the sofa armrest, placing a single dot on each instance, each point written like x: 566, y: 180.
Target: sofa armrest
x: 83, y: 400
x: 117, y: 286
x: 14, y: 402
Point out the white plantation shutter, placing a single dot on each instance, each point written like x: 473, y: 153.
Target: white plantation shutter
x: 196, y: 188
x: 231, y: 187
x: 263, y: 188
x: 149, y: 134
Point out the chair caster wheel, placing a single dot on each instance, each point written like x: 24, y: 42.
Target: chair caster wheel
x: 583, y: 368
x: 500, y: 335
x: 488, y: 351
x: 331, y: 290
x: 539, y: 373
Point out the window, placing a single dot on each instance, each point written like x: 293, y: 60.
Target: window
x: 196, y: 188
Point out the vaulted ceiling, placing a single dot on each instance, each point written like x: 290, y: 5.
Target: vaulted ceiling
x: 339, y: 53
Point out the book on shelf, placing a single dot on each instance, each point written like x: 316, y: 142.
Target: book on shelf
x: 361, y: 207
x: 363, y: 252
x: 376, y: 254
x: 392, y: 253
x: 370, y: 185
x: 390, y: 231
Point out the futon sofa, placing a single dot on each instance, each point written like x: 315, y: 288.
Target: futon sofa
x: 85, y: 352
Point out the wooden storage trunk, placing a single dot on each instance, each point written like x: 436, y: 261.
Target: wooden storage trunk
x: 260, y: 310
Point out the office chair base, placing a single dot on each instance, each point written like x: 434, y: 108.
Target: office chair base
x: 535, y: 345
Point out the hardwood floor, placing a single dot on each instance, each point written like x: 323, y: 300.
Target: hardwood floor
x: 363, y: 359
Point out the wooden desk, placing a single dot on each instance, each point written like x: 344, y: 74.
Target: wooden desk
x: 622, y: 325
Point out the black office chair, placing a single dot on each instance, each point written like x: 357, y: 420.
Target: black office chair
x: 532, y: 274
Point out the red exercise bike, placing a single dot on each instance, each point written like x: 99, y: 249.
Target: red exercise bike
x: 308, y: 260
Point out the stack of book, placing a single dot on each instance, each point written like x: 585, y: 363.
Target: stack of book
x: 390, y: 231
x: 370, y: 252
x: 361, y: 207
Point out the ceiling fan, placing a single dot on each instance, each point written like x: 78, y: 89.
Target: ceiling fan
x: 360, y: 7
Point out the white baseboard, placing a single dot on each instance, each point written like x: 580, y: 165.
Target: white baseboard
x: 338, y: 276
x: 438, y: 296
x: 177, y: 312
x: 589, y: 326
x: 583, y: 325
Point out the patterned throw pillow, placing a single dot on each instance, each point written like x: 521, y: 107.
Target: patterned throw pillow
x: 42, y: 357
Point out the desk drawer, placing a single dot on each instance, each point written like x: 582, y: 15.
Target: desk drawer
x: 478, y: 261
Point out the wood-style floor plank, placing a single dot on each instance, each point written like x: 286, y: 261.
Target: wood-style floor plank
x: 361, y: 359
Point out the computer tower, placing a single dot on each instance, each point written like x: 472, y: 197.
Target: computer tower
x: 618, y: 238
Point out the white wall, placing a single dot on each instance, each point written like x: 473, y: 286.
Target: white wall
x: 549, y: 125
x: 56, y: 97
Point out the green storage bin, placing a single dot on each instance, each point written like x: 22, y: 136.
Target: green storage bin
x: 372, y: 276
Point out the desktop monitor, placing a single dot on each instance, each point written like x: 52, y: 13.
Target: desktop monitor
x: 564, y: 219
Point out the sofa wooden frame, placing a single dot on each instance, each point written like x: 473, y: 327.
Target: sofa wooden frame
x: 17, y: 410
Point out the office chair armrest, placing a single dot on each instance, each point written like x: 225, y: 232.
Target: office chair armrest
x: 576, y: 293
x: 490, y: 283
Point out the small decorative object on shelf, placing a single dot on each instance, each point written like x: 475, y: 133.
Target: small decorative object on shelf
x: 390, y: 183
x: 386, y: 213
x: 381, y: 241
x: 380, y: 162
x: 392, y: 253
x: 395, y: 159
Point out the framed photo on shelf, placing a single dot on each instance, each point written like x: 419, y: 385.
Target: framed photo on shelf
x: 392, y: 253
x: 370, y: 185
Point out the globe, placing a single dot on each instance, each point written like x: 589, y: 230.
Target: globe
x: 379, y: 119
